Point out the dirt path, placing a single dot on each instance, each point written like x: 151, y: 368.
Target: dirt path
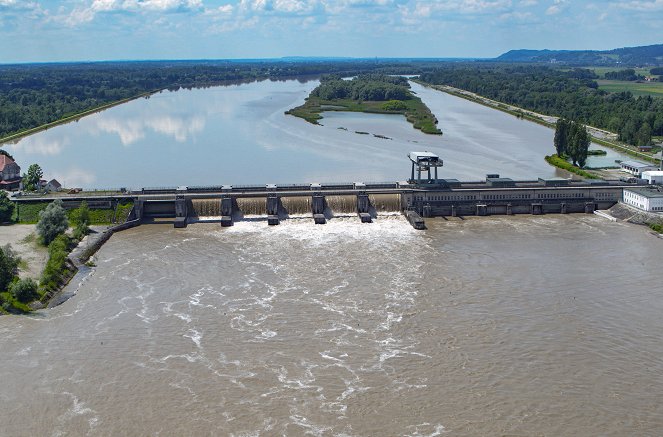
x: 23, y: 241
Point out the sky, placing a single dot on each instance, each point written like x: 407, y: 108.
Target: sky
x: 94, y: 30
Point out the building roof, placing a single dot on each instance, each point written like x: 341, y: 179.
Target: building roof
x: 54, y: 183
x: 650, y: 193
x: 636, y: 164
x: 425, y: 157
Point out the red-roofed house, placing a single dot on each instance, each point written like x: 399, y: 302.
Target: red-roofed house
x: 10, y: 173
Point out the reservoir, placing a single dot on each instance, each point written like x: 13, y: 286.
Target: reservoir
x: 239, y: 134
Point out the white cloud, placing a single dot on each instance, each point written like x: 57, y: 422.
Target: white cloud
x: 521, y: 17
x: 84, y: 14
x: 643, y: 6
x: 39, y: 145
x: 527, y: 3
x: 75, y: 177
x: 557, y: 7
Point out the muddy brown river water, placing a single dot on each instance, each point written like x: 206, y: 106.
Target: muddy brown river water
x: 489, y: 326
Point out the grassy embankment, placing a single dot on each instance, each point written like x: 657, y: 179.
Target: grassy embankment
x: 562, y: 163
x: 415, y: 111
x: 28, y: 213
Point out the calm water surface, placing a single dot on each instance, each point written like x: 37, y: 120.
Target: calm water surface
x: 490, y: 326
x: 239, y: 134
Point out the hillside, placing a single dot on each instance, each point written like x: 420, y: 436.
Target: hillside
x: 626, y: 56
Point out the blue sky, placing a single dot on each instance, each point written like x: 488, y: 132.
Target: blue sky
x: 75, y: 30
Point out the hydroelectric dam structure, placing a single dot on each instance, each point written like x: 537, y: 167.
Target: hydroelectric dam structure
x: 424, y: 195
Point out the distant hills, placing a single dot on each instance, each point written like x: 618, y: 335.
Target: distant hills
x: 628, y: 56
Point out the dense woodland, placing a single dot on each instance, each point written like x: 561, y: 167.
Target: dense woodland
x: 573, y: 95
x: 32, y: 95
x: 375, y: 87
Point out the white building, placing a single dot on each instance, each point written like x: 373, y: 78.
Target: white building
x: 636, y: 168
x: 647, y: 199
x: 653, y: 176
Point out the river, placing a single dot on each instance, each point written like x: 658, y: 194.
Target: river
x: 487, y: 326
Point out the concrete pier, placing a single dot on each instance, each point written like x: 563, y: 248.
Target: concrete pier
x: 363, y: 208
x: 227, y: 211
x: 318, y: 209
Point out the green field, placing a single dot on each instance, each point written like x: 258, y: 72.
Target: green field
x: 601, y: 71
x: 654, y: 89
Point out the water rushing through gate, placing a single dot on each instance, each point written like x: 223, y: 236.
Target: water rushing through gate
x: 336, y: 205
x: 487, y: 326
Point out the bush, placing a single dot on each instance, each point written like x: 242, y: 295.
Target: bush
x: 56, y: 264
x: 8, y: 266
x: 24, y: 290
x: 6, y: 207
x: 52, y: 222
x: 394, y: 105
x: 658, y: 228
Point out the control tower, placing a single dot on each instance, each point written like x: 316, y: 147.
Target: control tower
x: 423, y: 162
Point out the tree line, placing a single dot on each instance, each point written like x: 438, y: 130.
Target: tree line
x: 372, y: 87
x: 570, y: 94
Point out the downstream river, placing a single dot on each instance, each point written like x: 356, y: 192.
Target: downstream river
x: 239, y: 134
x: 488, y: 326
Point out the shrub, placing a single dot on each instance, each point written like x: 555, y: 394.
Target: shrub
x: 8, y: 266
x: 24, y: 290
x: 394, y: 105
x: 56, y: 264
x: 52, y: 222
x: 6, y: 207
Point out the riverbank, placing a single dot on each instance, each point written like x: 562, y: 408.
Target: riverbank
x: 599, y: 136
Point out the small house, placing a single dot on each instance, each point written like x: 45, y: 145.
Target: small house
x: 53, y: 185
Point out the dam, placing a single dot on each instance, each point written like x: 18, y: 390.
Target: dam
x: 422, y: 196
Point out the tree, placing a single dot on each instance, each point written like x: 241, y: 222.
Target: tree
x: 81, y: 220
x: 24, y: 290
x: 582, y: 141
x: 52, y: 221
x: 32, y: 178
x: 561, y: 136
x: 643, y: 136
x: 6, y: 207
x: 8, y: 266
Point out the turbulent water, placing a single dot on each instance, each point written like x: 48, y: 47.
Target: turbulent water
x: 487, y: 326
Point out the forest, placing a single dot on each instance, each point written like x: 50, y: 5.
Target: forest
x: 572, y: 94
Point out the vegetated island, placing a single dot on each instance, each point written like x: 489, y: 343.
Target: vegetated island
x: 372, y: 93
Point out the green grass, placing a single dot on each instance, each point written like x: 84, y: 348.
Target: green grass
x: 601, y: 71
x: 558, y: 162
x: 28, y: 213
x: 415, y: 112
x: 9, y: 304
x: 654, y: 89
